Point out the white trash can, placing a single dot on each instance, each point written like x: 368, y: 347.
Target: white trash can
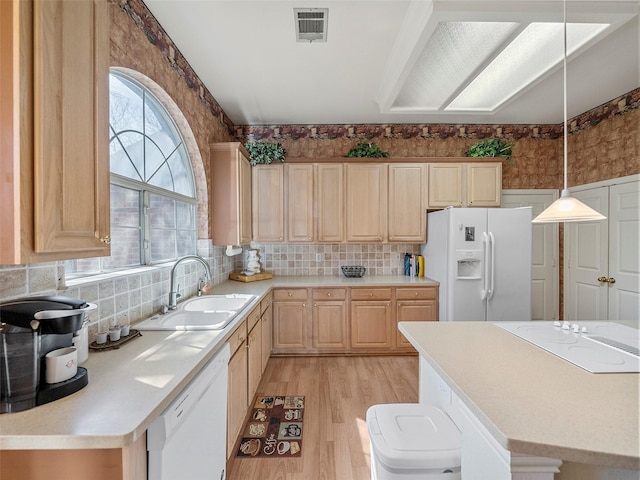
x: 411, y: 441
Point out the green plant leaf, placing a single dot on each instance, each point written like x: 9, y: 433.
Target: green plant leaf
x: 366, y: 150
x: 493, y: 147
x: 265, y: 152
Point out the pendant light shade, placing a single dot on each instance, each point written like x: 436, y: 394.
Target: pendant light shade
x: 567, y: 208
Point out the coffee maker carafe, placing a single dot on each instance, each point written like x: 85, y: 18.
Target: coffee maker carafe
x: 30, y: 328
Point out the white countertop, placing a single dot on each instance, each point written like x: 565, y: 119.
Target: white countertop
x: 531, y: 401
x: 129, y: 387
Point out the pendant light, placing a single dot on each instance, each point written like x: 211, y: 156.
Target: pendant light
x: 567, y: 208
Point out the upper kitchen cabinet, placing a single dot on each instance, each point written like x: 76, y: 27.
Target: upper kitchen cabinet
x: 268, y: 203
x: 315, y: 202
x: 230, y: 194
x: 407, y: 204
x: 54, y: 195
x: 465, y: 184
x: 366, y: 202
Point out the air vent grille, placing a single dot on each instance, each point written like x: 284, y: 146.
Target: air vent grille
x: 311, y: 24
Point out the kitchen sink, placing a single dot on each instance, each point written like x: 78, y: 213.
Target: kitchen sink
x: 210, y: 312
x: 217, y: 303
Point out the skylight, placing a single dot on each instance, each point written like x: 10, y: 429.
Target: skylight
x: 533, y: 53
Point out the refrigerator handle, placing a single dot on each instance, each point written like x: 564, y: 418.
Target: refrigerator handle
x: 492, y: 241
x: 485, y: 277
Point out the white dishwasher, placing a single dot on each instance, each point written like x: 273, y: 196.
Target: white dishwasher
x: 188, y: 440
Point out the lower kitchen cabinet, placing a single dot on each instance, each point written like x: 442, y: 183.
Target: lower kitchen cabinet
x: 254, y: 353
x: 290, y: 320
x: 237, y: 398
x: 266, y: 317
x: 128, y: 463
x: 371, y: 318
x: 415, y: 305
x: 329, y: 320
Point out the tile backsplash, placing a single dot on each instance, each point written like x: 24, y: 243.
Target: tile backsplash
x: 132, y: 296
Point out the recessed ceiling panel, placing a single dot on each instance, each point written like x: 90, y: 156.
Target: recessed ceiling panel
x: 452, y: 54
x: 532, y: 54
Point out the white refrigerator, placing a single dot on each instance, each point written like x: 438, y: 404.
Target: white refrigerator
x: 482, y: 259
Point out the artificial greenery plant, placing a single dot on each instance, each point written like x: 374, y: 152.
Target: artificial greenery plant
x: 493, y: 147
x: 265, y: 152
x: 368, y: 150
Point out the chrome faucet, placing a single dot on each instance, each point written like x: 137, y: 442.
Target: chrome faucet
x: 173, y: 293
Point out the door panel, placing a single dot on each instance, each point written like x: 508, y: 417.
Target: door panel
x: 544, y: 253
x: 586, y: 249
x: 624, y: 260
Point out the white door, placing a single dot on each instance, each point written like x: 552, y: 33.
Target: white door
x: 544, y: 251
x: 603, y: 268
x: 624, y: 261
x: 586, y: 260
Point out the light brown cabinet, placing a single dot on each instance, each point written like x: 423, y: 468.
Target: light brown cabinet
x: 54, y: 154
x: 366, y: 202
x: 371, y: 318
x: 329, y: 320
x: 315, y: 202
x: 415, y: 305
x: 407, y: 200
x: 237, y: 394
x: 230, y: 194
x: 266, y: 317
x: 299, y: 178
x: 268, y: 203
x: 465, y: 184
x: 254, y: 353
x: 291, y: 315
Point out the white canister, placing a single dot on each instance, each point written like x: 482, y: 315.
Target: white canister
x: 81, y: 342
x: 61, y: 364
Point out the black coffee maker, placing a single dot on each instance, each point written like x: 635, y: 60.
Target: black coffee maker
x: 29, y: 329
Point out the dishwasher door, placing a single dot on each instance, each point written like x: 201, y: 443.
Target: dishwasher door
x: 188, y: 440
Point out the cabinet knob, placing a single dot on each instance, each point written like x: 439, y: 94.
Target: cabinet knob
x: 289, y: 293
x: 416, y: 294
x: 328, y: 294
x: 240, y: 339
x: 603, y: 279
x: 304, y: 304
x: 315, y: 304
x: 106, y: 239
x: 612, y: 280
x: 370, y: 294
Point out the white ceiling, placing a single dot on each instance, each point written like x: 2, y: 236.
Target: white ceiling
x: 246, y: 54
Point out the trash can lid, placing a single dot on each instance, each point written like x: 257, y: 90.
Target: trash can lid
x: 413, y: 436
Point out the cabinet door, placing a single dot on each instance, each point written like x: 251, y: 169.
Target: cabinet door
x: 245, y: 198
x: 445, y: 185
x: 299, y: 202
x: 484, y: 184
x: 254, y: 360
x: 58, y: 91
x: 236, y: 396
x: 268, y: 203
x: 414, y: 311
x: 329, y: 202
x: 267, y: 335
x: 366, y: 202
x: 290, y: 324
x: 371, y: 324
x: 329, y: 325
x: 407, y: 202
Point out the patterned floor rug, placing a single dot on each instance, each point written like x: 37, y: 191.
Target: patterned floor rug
x: 274, y: 428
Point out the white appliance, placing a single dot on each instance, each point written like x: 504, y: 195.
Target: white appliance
x: 598, y: 347
x: 482, y: 259
x: 188, y: 441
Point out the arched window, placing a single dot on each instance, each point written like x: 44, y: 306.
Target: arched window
x: 153, y: 196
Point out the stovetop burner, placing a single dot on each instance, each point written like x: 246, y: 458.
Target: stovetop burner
x: 598, y: 347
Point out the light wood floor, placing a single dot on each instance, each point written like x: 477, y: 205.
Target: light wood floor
x: 338, y: 392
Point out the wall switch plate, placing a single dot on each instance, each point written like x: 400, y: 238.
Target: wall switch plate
x: 318, y: 257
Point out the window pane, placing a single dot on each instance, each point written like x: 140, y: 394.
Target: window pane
x: 126, y: 154
x: 182, y: 172
x: 125, y: 104
x: 125, y: 228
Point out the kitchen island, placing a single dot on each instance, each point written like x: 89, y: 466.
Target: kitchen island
x: 529, y: 409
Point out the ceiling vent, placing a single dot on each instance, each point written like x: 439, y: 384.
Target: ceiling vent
x: 311, y: 24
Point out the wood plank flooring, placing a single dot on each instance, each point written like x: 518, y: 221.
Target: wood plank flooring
x: 338, y: 392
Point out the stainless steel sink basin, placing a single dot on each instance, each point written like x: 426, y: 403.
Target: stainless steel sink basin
x: 211, y: 312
